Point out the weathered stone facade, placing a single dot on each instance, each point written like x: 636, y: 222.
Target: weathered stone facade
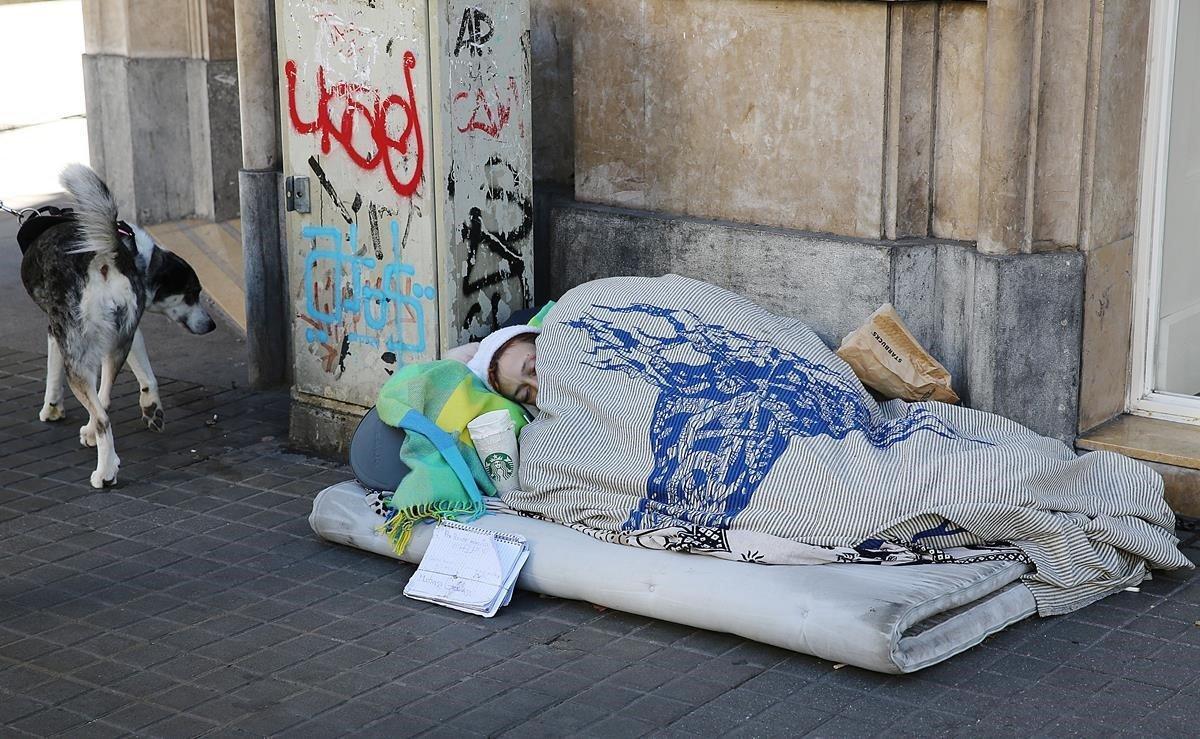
x: 1010, y: 127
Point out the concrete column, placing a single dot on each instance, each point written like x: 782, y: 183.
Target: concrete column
x: 1009, y: 129
x: 1062, y: 100
x: 908, y: 143
x: 161, y: 88
x: 1109, y: 202
x: 259, y: 184
x: 255, y: 22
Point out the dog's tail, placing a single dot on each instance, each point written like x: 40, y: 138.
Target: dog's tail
x: 96, y: 210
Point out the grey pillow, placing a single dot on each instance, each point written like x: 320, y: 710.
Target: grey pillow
x: 375, y: 454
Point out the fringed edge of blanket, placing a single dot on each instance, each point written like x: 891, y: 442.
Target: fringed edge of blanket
x: 399, y: 526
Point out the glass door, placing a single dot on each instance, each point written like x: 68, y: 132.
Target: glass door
x: 1166, y: 378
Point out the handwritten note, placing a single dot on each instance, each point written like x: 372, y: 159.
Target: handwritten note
x: 470, y: 569
x: 467, y: 554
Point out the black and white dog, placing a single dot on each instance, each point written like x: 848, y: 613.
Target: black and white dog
x: 94, y: 276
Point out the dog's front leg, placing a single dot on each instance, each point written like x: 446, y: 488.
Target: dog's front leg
x: 52, y: 406
x: 148, y: 399
x: 107, y: 462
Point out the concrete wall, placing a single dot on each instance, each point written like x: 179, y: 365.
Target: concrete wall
x: 865, y: 120
x: 797, y: 114
x: 1006, y: 327
x: 161, y: 89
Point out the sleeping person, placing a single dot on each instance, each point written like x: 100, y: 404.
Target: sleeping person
x: 506, y: 362
x: 433, y: 403
x: 678, y: 415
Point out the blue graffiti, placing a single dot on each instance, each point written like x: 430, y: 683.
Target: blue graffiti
x: 722, y: 419
x: 374, y: 303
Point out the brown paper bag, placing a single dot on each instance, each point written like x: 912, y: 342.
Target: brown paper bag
x: 890, y: 360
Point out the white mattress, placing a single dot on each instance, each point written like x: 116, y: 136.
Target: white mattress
x: 888, y: 619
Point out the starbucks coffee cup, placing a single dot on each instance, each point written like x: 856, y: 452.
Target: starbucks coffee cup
x: 495, y: 441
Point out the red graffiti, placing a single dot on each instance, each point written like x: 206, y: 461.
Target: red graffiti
x: 369, y: 106
x: 491, y: 111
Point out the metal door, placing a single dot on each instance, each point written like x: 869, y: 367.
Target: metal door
x: 483, y: 149
x: 355, y: 109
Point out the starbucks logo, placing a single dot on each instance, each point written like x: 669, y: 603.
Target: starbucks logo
x: 499, y: 466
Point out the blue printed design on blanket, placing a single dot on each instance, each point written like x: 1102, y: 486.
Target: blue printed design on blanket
x: 724, y: 418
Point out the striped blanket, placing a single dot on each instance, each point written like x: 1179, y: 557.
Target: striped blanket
x: 677, y: 415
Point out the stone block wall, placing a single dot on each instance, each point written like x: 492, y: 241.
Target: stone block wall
x: 1006, y: 327
x: 1011, y: 127
x: 757, y: 112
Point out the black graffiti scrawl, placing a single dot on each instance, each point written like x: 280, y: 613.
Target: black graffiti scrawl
x: 474, y: 32
x: 505, y: 245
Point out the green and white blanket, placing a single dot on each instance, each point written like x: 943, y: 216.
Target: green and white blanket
x: 433, y: 402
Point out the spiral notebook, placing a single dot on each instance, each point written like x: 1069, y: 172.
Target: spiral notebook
x: 468, y: 568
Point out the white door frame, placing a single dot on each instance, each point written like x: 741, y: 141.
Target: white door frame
x: 1143, y: 400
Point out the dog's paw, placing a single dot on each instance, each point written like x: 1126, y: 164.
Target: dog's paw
x: 152, y: 414
x: 87, y: 436
x: 51, y: 413
x: 106, y: 474
x: 100, y: 480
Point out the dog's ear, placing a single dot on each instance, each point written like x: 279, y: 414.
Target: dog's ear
x: 168, y: 274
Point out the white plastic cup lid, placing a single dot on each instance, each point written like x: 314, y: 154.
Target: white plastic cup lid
x: 491, y: 422
x: 492, y: 432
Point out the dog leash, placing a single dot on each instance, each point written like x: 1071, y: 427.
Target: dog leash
x: 21, y: 214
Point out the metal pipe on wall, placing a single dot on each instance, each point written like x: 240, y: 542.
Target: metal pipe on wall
x: 255, y: 29
x: 259, y: 184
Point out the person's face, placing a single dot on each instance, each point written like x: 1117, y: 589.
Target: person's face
x: 516, y: 372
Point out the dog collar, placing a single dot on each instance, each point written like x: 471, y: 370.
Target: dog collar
x: 48, y: 216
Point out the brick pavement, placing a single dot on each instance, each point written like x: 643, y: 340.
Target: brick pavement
x: 194, y: 600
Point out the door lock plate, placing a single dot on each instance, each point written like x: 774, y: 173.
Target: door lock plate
x: 297, y: 194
